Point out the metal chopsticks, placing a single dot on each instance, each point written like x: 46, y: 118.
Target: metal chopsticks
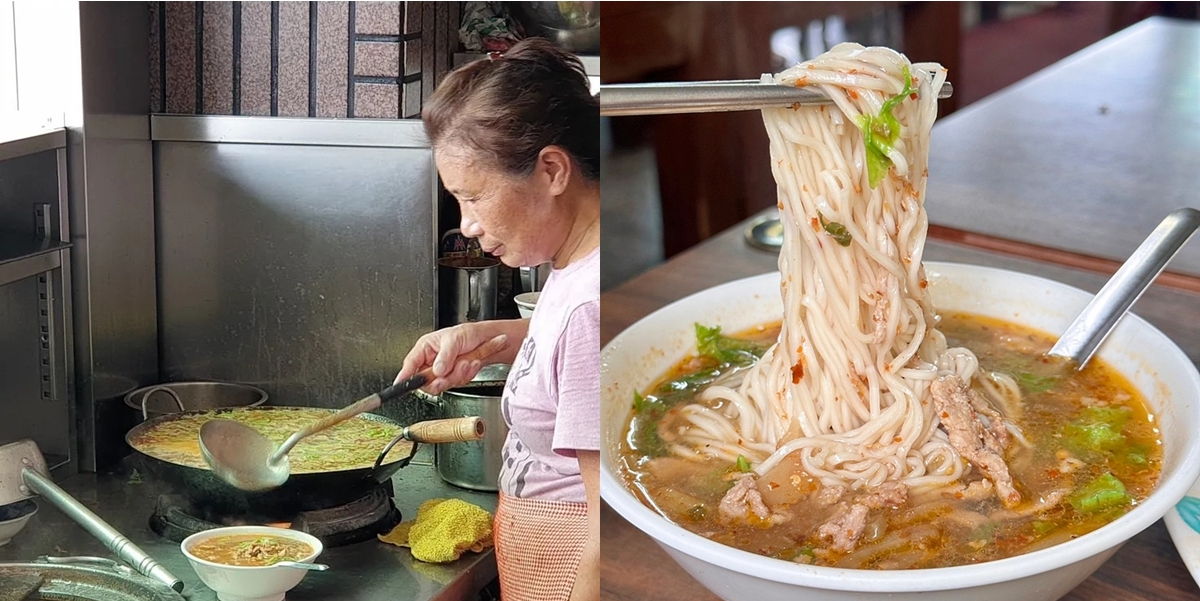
x: 708, y: 97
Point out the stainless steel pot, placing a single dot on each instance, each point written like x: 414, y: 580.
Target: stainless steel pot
x: 474, y: 465
x: 174, y: 397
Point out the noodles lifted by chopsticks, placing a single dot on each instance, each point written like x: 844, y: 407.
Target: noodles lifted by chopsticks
x: 847, y: 386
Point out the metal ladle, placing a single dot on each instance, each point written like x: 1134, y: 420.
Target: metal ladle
x: 1080, y: 340
x: 243, y: 457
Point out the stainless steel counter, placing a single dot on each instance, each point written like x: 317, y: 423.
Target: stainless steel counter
x: 367, y: 571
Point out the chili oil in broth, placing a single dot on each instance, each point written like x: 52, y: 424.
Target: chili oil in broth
x: 1086, y: 430
x: 250, y: 549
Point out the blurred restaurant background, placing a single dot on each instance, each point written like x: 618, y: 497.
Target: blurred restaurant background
x: 703, y: 173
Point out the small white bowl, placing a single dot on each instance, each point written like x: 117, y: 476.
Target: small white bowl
x: 249, y: 583
x: 526, y: 301
x: 10, y: 527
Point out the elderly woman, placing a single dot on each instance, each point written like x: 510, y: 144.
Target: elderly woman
x: 516, y: 140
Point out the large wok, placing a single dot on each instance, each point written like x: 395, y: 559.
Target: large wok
x: 301, y: 492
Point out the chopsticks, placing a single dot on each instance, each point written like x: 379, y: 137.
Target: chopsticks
x: 667, y: 98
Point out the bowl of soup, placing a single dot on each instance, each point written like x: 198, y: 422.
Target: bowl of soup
x: 1125, y: 433
x: 238, y: 562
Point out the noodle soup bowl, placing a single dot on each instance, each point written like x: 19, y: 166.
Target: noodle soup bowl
x: 645, y: 351
x: 249, y: 583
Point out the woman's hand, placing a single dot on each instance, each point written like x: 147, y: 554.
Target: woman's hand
x: 450, y: 352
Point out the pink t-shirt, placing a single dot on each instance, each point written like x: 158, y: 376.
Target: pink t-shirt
x: 552, y: 400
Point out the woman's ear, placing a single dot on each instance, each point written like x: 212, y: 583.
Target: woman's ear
x: 557, y: 165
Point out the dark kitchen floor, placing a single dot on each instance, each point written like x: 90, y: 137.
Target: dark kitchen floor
x: 1027, y: 37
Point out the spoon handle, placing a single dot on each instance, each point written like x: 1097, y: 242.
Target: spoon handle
x: 1098, y: 318
x: 319, y: 567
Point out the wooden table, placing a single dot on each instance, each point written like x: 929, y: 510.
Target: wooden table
x: 633, y: 567
x: 1106, y: 141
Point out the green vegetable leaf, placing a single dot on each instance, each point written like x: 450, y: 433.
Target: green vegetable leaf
x: 723, y: 349
x: 697, y: 513
x: 1137, y: 456
x: 743, y: 464
x: 644, y: 438
x: 881, y: 131
x: 639, y: 402
x: 1105, y: 492
x: 1043, y: 527
x: 1034, y: 383
x: 1097, y: 429
x: 1117, y: 417
x: 836, y: 230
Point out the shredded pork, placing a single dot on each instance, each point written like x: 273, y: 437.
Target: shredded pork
x: 968, y: 435
x: 845, y: 528
x: 744, y: 499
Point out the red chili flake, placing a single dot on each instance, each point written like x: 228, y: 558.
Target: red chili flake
x: 772, y: 485
x: 924, y: 284
x: 797, y: 372
x: 816, y: 225
x: 945, y: 415
x: 852, y: 94
x: 897, y: 439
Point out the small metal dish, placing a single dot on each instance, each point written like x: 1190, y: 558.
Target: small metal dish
x: 765, y: 233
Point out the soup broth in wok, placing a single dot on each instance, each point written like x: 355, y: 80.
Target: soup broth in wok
x: 352, y: 444
x: 1092, y: 453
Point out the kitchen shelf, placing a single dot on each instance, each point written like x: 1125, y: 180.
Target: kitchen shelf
x: 18, y: 145
x: 22, y: 257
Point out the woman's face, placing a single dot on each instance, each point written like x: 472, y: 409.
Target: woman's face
x: 516, y: 219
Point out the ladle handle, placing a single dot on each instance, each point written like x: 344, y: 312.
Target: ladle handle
x: 458, y: 429
x: 364, y: 405
x: 115, y: 541
x: 1101, y: 315
x: 373, y: 402
x: 423, y: 377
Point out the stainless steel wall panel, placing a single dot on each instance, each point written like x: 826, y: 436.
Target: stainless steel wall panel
x: 26, y: 182
x: 289, y: 131
x: 307, y: 271
x: 112, y: 221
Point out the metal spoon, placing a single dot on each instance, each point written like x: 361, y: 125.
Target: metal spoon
x: 317, y: 567
x: 243, y: 457
x: 1078, y: 343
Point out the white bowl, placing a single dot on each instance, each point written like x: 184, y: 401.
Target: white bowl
x: 1152, y: 362
x: 9, y: 528
x: 526, y: 301
x: 249, y: 583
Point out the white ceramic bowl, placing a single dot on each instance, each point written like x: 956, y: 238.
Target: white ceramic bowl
x: 249, y: 583
x: 526, y: 301
x: 10, y: 527
x: 1152, y: 362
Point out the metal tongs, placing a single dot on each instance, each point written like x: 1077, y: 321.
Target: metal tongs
x: 626, y: 99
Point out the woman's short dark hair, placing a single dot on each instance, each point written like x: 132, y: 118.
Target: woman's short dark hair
x: 511, y: 107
